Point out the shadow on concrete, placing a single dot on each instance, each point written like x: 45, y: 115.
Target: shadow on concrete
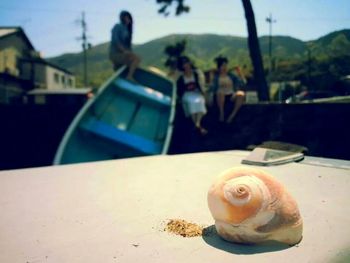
x: 212, y: 238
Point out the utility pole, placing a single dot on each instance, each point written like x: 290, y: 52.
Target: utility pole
x: 270, y: 20
x: 309, y: 64
x: 85, y: 46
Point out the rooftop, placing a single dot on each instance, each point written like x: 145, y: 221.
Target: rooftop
x: 80, y: 91
x: 6, y: 31
x: 47, y: 63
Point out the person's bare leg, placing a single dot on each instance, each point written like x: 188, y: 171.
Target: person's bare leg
x: 194, y: 119
x: 133, y: 64
x: 238, y: 101
x: 198, y: 118
x: 220, y: 100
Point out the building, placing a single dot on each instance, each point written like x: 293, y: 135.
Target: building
x: 23, y: 69
x: 46, y: 75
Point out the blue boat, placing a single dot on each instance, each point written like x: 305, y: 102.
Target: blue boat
x: 124, y: 119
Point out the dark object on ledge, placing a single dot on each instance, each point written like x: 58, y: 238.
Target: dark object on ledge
x: 283, y: 146
x: 266, y: 157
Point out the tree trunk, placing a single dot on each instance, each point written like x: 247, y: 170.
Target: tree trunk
x: 255, y: 53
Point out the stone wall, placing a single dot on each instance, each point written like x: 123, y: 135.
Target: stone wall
x: 29, y: 135
x: 323, y: 128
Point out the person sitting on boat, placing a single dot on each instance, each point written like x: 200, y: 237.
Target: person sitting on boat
x: 120, y: 51
x: 227, y: 86
x: 190, y: 91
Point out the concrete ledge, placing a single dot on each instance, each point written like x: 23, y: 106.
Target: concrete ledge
x: 115, y: 211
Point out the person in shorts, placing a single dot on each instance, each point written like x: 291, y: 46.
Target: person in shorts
x: 120, y: 52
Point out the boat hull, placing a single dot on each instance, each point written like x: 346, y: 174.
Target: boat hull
x: 123, y: 120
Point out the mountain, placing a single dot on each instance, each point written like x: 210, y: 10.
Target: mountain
x: 327, y: 39
x: 203, y: 49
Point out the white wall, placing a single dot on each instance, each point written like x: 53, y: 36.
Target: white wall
x: 48, y: 77
x: 57, y: 79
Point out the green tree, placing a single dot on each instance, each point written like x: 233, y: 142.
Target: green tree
x: 253, y: 42
x: 173, y: 53
x: 340, y: 46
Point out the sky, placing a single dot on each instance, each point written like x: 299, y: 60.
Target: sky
x: 53, y: 27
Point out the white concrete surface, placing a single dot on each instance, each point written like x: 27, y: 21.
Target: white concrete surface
x: 115, y: 211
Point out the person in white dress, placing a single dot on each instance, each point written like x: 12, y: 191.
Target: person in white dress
x: 190, y: 86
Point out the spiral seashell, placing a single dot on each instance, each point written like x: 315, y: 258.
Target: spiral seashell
x: 251, y: 206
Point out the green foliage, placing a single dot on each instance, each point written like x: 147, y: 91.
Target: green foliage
x: 174, y: 52
x: 321, y: 64
x: 180, y: 8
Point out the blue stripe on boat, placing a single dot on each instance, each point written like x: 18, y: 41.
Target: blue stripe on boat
x: 144, y: 92
x: 122, y: 137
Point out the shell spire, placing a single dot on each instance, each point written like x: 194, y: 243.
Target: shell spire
x: 251, y: 206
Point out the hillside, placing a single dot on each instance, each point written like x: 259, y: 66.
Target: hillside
x: 203, y: 49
